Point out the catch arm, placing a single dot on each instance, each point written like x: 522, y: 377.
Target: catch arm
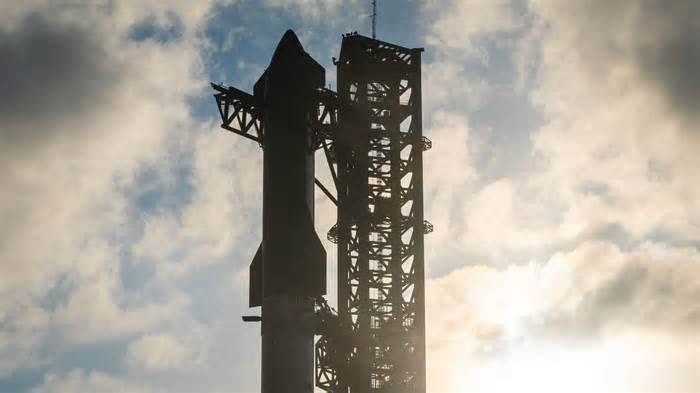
x: 239, y: 112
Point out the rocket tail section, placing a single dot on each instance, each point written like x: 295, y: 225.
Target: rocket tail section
x: 302, y: 271
x: 294, y: 261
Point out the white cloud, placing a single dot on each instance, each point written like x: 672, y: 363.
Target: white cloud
x: 157, y: 352
x: 450, y: 178
x: 78, y: 380
x: 65, y: 202
x: 609, y: 121
x: 226, y: 190
x: 314, y: 9
x: 606, y: 208
x: 97, y: 310
x: 447, y: 84
x: 612, y: 155
x: 458, y: 25
x: 583, y: 314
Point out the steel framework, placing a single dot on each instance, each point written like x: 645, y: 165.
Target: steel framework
x: 380, y: 344
x: 239, y: 112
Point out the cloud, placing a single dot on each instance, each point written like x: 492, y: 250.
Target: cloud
x: 670, y: 54
x: 157, y: 352
x: 612, y: 156
x: 585, y: 263
x: 53, y: 75
x: 622, y: 128
x: 218, y: 216
x: 78, y: 380
x: 314, y: 9
x: 98, y: 309
x: 459, y: 25
x: 655, y: 41
x: 120, y: 220
x: 90, y: 110
x: 588, y: 308
x: 450, y: 177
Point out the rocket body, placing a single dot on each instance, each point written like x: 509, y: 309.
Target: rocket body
x: 289, y: 268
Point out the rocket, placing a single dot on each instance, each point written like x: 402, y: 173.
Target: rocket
x: 289, y: 268
x: 291, y: 259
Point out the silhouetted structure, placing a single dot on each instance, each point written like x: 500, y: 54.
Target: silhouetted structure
x: 374, y: 19
x: 288, y: 271
x: 380, y: 228
x: 371, y: 135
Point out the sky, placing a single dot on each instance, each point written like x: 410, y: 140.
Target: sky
x: 562, y: 185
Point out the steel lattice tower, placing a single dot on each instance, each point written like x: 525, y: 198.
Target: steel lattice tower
x: 380, y: 228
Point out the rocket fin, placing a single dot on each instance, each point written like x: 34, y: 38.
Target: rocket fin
x: 298, y: 266
x: 255, y: 284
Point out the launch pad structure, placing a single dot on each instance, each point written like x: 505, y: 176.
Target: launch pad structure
x: 370, y: 132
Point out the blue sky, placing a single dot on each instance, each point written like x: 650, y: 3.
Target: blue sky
x: 562, y: 184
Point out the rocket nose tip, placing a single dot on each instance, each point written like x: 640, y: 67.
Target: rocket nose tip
x: 289, y: 35
x: 289, y: 44
x: 290, y: 39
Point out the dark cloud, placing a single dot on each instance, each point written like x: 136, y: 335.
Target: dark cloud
x: 611, y: 301
x: 51, y: 75
x: 653, y: 294
x: 668, y: 53
x: 658, y: 39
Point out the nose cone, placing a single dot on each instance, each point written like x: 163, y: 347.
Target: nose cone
x: 291, y: 70
x: 288, y: 50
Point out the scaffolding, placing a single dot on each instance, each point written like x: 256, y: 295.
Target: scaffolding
x: 380, y: 345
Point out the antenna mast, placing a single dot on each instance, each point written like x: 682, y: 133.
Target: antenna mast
x: 374, y: 19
